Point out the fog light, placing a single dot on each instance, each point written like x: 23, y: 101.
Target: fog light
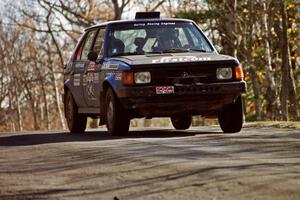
x: 224, y: 73
x: 239, y: 74
x: 127, y: 78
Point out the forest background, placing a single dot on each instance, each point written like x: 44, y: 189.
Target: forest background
x: 38, y: 36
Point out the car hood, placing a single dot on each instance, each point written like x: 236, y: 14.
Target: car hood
x: 176, y: 58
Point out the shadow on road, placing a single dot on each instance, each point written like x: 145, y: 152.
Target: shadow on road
x: 26, y: 139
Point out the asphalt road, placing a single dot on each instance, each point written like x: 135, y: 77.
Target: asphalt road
x: 200, y: 163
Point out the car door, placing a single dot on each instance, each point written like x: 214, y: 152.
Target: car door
x: 79, y: 63
x: 91, y: 85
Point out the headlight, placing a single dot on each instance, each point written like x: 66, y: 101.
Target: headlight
x: 142, y: 77
x: 224, y: 73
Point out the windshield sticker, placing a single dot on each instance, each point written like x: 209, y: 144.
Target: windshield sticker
x: 139, y: 24
x: 154, y: 24
x: 172, y: 59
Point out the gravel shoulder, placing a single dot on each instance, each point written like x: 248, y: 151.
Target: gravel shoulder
x: 200, y: 163
x: 274, y: 124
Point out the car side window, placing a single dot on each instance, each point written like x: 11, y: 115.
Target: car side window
x: 87, y: 45
x: 99, y: 43
x: 128, y: 37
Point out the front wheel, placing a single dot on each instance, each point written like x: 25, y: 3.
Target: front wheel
x: 76, y: 122
x: 181, y: 122
x: 231, y: 117
x: 117, y: 119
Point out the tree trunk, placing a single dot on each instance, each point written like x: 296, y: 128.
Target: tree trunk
x: 288, y: 88
x: 19, y: 111
x: 44, y: 96
x: 256, y: 92
x: 117, y: 9
x: 57, y: 100
x: 227, y: 28
x: 271, y: 97
x: 55, y: 89
x: 253, y: 75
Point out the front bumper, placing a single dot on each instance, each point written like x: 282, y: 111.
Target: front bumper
x: 202, y: 99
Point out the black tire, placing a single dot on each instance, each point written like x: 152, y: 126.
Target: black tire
x: 117, y: 119
x: 76, y: 122
x: 231, y: 117
x: 181, y: 122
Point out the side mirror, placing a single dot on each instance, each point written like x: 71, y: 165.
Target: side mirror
x: 100, y: 59
x: 92, y: 56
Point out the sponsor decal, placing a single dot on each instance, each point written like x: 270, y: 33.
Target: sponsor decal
x: 76, y: 80
x: 79, y: 65
x: 164, y: 89
x: 185, y: 74
x: 109, y: 74
x: 90, y: 91
x: 84, y: 82
x: 109, y: 66
x: 91, y: 67
x: 90, y: 87
x: 172, y: 59
x: 118, y: 76
x: 115, y: 75
x: 90, y: 77
x: 96, y: 78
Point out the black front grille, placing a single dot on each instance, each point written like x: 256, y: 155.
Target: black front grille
x: 196, y: 89
x: 182, y: 75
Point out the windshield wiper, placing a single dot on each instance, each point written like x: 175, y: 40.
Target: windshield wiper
x: 199, y: 50
x: 126, y: 54
x: 175, y: 50
x: 154, y: 52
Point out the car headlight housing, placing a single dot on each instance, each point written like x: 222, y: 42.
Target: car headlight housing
x: 239, y: 74
x: 142, y: 77
x: 224, y: 73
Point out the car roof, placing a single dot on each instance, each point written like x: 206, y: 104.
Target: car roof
x: 138, y: 21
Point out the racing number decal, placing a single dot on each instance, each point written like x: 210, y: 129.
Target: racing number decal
x: 90, y: 81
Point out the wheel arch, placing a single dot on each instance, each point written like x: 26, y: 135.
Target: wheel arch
x: 66, y: 90
x: 105, y: 87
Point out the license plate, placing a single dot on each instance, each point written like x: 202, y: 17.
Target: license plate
x: 164, y: 90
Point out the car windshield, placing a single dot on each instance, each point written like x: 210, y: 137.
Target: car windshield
x: 155, y: 37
